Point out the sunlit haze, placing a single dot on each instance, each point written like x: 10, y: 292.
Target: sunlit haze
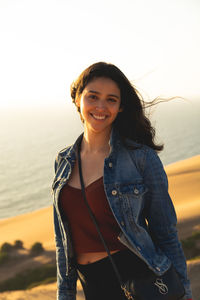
x: 45, y: 44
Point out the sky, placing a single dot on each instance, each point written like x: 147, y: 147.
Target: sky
x: 45, y: 45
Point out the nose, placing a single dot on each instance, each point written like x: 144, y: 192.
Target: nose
x: 100, y: 105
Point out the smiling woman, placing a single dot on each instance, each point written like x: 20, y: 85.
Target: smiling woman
x: 99, y: 105
x: 126, y: 192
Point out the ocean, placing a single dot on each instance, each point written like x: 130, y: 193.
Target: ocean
x: 31, y: 137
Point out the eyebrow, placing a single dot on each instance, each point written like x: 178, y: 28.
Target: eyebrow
x: 95, y: 92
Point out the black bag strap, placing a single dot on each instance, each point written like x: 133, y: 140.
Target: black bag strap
x: 94, y: 219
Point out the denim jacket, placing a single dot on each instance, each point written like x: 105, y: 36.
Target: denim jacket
x: 136, y: 187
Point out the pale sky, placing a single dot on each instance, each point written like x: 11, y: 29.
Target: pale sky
x: 45, y: 44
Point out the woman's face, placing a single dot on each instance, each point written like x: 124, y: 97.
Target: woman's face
x: 99, y: 104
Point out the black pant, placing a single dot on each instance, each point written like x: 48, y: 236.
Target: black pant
x: 99, y: 280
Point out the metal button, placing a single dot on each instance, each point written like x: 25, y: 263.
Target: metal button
x: 110, y: 165
x: 122, y: 223
x: 136, y: 191
x: 114, y: 192
x: 158, y: 269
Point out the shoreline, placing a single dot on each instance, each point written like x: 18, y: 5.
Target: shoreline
x: 36, y: 226
x: 183, y: 176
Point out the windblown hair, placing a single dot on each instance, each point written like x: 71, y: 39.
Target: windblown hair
x: 131, y: 123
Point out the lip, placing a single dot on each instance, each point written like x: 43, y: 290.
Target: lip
x: 99, y: 117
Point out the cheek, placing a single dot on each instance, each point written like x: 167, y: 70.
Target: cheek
x: 84, y: 110
x: 86, y: 106
x: 117, y: 110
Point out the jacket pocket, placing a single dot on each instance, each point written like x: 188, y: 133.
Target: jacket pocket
x: 132, y: 200
x: 136, y: 190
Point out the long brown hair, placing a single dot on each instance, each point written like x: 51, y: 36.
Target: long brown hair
x: 131, y: 122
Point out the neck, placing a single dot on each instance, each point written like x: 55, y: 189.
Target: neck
x: 95, y: 143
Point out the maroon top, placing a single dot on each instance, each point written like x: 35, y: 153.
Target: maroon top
x: 84, y: 234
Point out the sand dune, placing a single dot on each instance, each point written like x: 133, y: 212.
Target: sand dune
x: 184, y: 188
x: 32, y: 227
x: 45, y: 292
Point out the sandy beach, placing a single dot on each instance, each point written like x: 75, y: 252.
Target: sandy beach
x: 184, y: 188
x: 32, y: 227
x: 184, y: 179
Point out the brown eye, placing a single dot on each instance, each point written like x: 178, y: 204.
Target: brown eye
x: 93, y: 97
x: 112, y: 100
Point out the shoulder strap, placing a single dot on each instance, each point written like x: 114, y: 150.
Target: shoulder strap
x: 94, y: 219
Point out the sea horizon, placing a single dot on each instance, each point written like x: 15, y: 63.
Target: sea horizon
x: 31, y: 139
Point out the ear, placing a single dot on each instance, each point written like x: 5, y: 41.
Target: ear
x: 77, y: 102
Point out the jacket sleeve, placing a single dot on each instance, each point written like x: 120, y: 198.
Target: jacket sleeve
x: 66, y: 284
x: 162, y: 218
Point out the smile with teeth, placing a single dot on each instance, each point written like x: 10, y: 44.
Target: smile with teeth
x: 98, y: 117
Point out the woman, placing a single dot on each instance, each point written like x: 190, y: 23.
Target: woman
x: 126, y: 188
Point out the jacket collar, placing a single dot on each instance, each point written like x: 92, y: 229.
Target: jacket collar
x: 115, y: 140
